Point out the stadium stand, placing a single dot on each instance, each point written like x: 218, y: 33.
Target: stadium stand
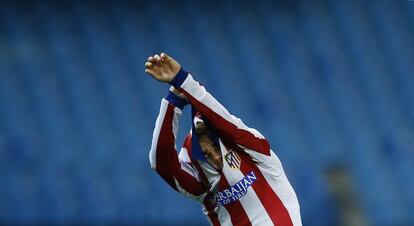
x: 329, y: 83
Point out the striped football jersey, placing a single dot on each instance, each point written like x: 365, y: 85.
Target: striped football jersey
x: 250, y: 189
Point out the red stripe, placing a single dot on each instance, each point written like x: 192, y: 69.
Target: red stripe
x: 167, y: 163
x: 229, y: 130
x: 211, y: 214
x: 165, y: 148
x: 189, y: 183
x: 213, y: 218
x: 237, y: 214
x: 269, y: 199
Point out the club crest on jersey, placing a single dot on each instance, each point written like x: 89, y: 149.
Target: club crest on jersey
x: 233, y: 159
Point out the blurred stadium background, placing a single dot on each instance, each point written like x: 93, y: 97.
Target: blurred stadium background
x: 330, y: 83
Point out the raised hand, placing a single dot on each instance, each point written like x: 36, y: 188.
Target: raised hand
x: 162, y: 67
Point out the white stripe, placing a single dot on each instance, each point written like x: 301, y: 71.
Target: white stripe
x: 156, y: 133
x: 183, y: 156
x: 250, y: 202
x: 272, y: 170
x: 175, y: 124
x: 224, y: 217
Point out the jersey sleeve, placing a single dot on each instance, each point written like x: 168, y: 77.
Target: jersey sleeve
x: 226, y: 124
x: 177, y: 172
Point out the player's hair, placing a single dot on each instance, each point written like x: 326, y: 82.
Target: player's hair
x: 203, y: 128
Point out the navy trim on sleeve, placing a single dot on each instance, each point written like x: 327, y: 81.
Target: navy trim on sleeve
x: 179, y: 78
x: 176, y: 100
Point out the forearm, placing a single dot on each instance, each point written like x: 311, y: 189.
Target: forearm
x: 225, y: 123
x: 165, y: 69
x: 163, y: 155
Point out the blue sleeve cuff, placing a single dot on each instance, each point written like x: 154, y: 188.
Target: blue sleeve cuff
x: 179, y: 78
x: 176, y: 100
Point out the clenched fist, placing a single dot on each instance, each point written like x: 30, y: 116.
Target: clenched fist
x: 162, y: 67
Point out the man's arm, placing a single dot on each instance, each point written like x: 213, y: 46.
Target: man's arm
x: 165, y: 69
x: 163, y: 155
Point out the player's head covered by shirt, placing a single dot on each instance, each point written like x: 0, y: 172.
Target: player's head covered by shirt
x: 201, y: 126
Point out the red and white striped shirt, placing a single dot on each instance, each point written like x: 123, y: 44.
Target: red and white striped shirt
x: 250, y: 189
